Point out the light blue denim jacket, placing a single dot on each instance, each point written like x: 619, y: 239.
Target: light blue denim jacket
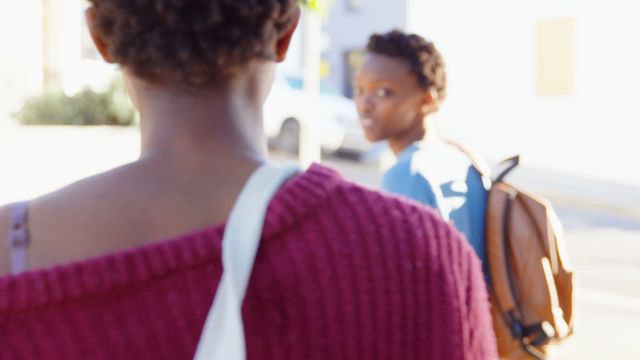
x: 439, y: 175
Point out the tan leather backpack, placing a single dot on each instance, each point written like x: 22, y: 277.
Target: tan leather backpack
x: 530, y: 282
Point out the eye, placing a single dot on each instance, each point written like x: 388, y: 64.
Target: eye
x: 383, y: 92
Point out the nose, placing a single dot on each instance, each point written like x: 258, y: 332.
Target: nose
x: 365, y: 104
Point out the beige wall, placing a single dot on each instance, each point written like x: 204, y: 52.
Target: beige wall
x: 556, y: 56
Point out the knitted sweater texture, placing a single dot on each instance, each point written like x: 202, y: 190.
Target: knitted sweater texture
x: 342, y: 272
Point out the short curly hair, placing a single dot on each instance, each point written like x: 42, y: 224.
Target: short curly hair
x: 424, y: 60
x: 196, y: 41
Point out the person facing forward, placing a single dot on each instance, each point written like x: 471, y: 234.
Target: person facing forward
x: 398, y: 89
x: 125, y: 264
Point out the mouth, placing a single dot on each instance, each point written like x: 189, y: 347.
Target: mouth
x: 367, y: 123
x: 369, y: 127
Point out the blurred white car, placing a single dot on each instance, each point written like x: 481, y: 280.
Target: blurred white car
x: 337, y: 124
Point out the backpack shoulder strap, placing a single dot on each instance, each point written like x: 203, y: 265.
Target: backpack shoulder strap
x: 223, y: 333
x: 483, y: 167
x: 477, y: 162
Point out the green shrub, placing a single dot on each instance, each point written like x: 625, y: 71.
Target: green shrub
x: 111, y: 107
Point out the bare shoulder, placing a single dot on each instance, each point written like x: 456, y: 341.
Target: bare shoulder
x: 126, y: 207
x: 55, y: 209
x: 73, y: 222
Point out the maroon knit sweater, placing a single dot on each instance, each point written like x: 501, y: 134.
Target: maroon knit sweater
x: 342, y: 272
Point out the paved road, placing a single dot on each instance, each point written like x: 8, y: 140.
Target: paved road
x: 604, y: 248
x: 605, y: 251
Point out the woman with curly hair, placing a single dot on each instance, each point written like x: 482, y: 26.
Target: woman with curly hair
x: 398, y: 90
x: 125, y: 264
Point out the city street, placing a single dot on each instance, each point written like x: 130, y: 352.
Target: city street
x: 551, y: 86
x: 604, y: 249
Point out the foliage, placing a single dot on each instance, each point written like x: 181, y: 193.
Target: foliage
x: 88, y: 107
x: 321, y: 6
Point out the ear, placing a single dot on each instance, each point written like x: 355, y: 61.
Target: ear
x: 430, y: 102
x: 102, y: 46
x: 282, y: 45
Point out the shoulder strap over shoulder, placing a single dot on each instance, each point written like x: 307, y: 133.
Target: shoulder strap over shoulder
x: 223, y: 333
x: 481, y: 165
x: 477, y: 162
x: 18, y: 237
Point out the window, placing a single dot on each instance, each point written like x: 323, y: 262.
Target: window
x: 556, y: 57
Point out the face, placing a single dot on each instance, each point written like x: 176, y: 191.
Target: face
x: 390, y: 101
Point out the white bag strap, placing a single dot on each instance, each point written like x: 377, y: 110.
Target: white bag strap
x: 223, y: 333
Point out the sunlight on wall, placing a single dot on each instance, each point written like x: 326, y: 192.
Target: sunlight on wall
x: 80, y: 70
x: 555, y: 81
x: 555, y: 47
x: 20, y: 53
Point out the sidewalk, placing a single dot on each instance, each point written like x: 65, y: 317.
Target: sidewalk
x: 620, y: 199
x: 37, y: 160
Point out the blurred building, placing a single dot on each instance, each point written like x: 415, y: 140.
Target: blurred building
x: 556, y: 81
x: 348, y: 27
x: 20, y: 52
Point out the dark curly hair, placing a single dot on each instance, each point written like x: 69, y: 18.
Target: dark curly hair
x: 196, y: 41
x: 424, y: 60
